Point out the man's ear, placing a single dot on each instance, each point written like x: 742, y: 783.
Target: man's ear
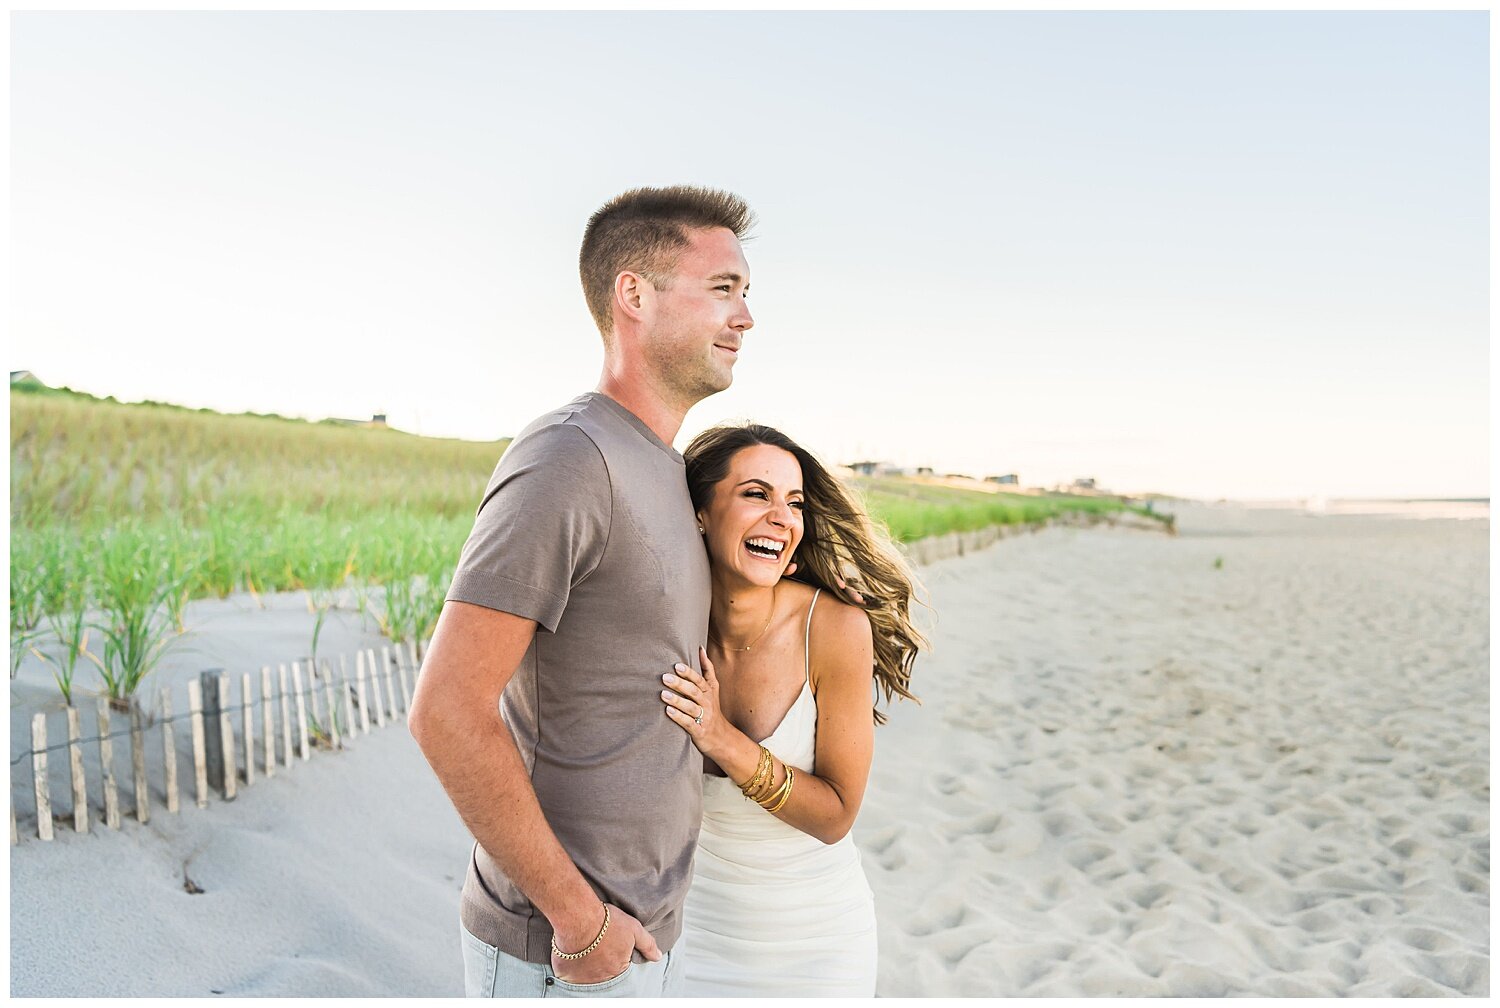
x: 635, y: 297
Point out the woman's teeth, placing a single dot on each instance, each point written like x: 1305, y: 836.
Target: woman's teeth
x: 766, y: 549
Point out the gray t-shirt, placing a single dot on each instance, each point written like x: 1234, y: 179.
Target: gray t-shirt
x: 587, y: 528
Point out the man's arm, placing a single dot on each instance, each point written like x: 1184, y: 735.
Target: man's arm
x: 455, y: 718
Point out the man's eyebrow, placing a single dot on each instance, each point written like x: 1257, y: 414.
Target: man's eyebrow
x: 731, y: 277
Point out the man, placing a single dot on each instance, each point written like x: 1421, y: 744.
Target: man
x: 583, y: 580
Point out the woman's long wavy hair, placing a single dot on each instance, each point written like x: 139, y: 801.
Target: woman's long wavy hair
x: 839, y: 541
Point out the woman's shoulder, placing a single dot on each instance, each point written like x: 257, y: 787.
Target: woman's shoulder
x: 840, y: 640
x: 831, y: 614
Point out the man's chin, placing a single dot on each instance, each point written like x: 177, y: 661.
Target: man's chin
x: 718, y: 382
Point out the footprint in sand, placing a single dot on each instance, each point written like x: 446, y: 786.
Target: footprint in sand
x: 1459, y: 824
x: 981, y: 825
x: 1472, y: 884
x: 1105, y: 823
x: 937, y: 914
x: 948, y: 784
x: 1343, y: 880
x: 1406, y: 847
x: 1316, y: 922
x: 1428, y: 939
x: 954, y: 945
x: 1381, y: 907
x: 1240, y: 882
x: 1461, y: 971
x: 881, y: 840
x: 1271, y: 952
x: 1312, y: 820
x: 1060, y: 824
x: 1084, y: 855
x: 1151, y: 896
x: 1016, y: 838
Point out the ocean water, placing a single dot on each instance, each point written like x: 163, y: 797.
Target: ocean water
x: 1469, y: 507
x: 1403, y: 508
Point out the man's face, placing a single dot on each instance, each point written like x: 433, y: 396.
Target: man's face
x: 701, y: 317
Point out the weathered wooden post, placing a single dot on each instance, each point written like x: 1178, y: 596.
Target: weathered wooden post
x: 390, y: 679
x: 268, y: 720
x: 200, y: 772
x: 348, y: 691
x: 364, y: 709
x: 168, y: 748
x: 213, y: 727
x: 301, y: 709
x: 249, y: 722
x: 107, y: 763
x: 334, y: 738
x: 138, y: 765
x: 405, y: 683
x: 375, y: 698
x: 286, y: 717
x: 75, y: 766
x: 315, y: 698
x: 226, y: 740
x: 39, y: 769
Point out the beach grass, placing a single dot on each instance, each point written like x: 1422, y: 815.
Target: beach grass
x: 132, y: 510
x: 914, y: 510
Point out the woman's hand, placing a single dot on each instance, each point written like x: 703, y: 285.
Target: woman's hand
x: 849, y: 593
x: 692, y: 701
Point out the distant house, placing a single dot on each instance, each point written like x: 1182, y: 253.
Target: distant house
x: 1084, y: 483
x: 924, y: 471
x: 23, y: 378
x: 377, y: 420
x: 868, y: 468
x: 1009, y: 479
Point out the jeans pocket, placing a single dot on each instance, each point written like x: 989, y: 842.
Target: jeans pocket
x: 594, y: 988
x: 480, y: 960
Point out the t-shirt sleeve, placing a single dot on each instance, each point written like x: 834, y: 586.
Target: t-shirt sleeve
x: 541, y: 528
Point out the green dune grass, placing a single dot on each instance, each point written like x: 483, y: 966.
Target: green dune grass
x: 133, y: 510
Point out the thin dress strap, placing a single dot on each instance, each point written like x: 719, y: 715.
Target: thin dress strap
x: 807, y: 641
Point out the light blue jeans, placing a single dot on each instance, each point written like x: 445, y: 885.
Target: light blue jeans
x: 488, y: 972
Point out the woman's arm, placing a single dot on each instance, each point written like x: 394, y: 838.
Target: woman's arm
x: 823, y: 805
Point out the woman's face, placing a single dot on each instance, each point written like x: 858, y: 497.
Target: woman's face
x: 753, y: 522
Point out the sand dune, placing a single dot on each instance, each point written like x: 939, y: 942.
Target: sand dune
x: 1134, y: 772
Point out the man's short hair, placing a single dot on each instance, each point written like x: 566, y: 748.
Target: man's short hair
x: 643, y: 231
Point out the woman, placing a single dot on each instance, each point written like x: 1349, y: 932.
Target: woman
x: 782, y: 714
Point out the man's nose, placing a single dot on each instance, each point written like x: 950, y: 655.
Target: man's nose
x: 742, y: 319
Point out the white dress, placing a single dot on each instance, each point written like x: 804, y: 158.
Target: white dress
x: 771, y: 910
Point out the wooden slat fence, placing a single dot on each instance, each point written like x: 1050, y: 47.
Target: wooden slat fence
x: 383, y: 681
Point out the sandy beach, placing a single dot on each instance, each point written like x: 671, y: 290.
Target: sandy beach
x: 1250, y: 759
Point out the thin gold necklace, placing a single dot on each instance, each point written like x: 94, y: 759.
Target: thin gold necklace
x: 758, y: 636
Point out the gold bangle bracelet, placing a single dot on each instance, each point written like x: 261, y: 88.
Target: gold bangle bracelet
x: 767, y: 788
x: 777, y: 793
x: 791, y: 775
x: 757, y: 779
x: 760, y: 769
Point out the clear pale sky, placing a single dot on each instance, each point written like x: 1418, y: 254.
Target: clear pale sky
x: 1214, y: 254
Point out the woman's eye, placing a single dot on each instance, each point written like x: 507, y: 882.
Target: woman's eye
x: 798, y: 505
x: 756, y: 493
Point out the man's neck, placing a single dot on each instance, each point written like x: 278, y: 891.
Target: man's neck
x: 640, y: 398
